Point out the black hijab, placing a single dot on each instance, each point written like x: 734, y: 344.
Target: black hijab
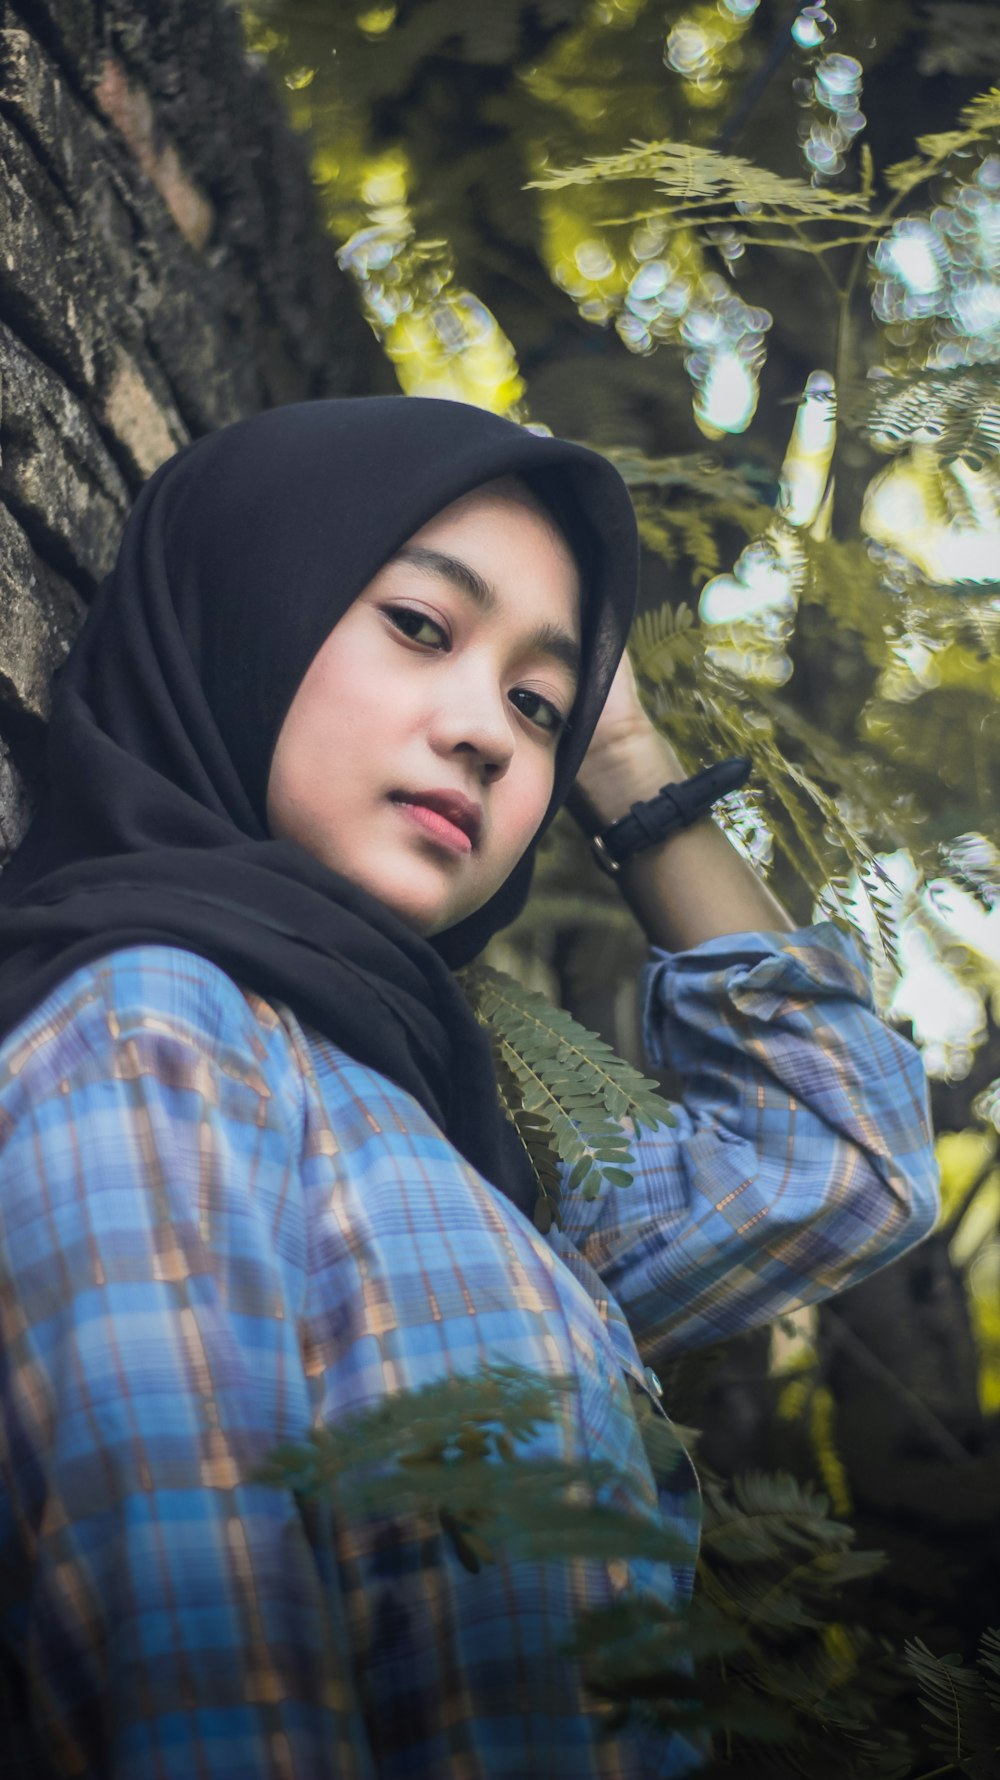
x: 239, y: 557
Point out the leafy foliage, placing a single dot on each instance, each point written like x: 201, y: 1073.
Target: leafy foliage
x: 963, y: 1704
x: 683, y: 506
x: 448, y: 1451
x: 956, y: 410
x: 565, y: 1091
x: 704, y: 187
x: 696, y: 179
x: 787, y: 1688
x: 980, y: 120
x: 773, y: 1566
x: 974, y: 862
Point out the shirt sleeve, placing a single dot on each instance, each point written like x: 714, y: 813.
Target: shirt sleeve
x: 802, y: 1159
x: 163, y: 1614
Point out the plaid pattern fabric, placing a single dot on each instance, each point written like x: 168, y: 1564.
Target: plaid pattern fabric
x: 216, y: 1230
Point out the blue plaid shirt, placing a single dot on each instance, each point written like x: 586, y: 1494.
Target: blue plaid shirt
x: 217, y: 1229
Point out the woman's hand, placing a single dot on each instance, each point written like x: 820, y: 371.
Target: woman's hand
x: 627, y: 758
x: 691, y: 887
x: 623, y: 712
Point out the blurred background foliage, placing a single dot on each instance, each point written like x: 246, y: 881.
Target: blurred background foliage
x: 751, y: 251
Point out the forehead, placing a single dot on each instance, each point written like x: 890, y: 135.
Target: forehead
x: 516, y: 492
x: 507, y: 512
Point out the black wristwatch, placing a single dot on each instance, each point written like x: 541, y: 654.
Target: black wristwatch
x: 673, y: 807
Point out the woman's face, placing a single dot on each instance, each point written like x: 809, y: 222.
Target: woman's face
x: 449, y: 677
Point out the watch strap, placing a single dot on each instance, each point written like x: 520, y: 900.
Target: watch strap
x: 653, y: 819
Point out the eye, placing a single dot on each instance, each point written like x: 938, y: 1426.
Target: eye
x: 410, y: 622
x: 545, y: 713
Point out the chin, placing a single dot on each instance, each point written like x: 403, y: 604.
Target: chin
x: 427, y: 914
x: 425, y: 918
x: 429, y: 922
x: 425, y: 925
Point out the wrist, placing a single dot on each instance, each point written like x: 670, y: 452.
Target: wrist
x: 676, y: 807
x: 627, y: 770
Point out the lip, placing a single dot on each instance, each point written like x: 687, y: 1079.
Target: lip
x: 458, y: 812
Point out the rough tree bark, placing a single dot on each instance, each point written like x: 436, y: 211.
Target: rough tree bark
x: 163, y: 270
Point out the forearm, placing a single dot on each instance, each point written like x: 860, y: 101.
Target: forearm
x: 802, y: 1158
x: 693, y: 886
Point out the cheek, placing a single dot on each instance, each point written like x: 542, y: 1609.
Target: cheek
x: 527, y: 803
x: 324, y: 723
x: 343, y: 711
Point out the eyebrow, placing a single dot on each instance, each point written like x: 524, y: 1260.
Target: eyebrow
x: 546, y: 639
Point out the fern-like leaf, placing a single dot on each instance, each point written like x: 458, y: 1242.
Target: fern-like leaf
x: 564, y: 1088
x: 448, y: 1451
x: 696, y: 475
x: 989, y: 1661
x: 956, y: 411
x: 764, y: 1514
x: 980, y: 120
x: 964, y: 1727
x: 536, y: 1138
x: 974, y: 862
x: 694, y: 176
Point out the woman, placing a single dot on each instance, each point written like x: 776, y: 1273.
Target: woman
x: 352, y: 659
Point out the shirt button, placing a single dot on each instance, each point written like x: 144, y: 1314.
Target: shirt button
x: 618, y: 1575
x: 652, y: 1381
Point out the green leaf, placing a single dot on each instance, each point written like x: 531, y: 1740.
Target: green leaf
x: 964, y: 1727
x: 954, y: 411
x: 562, y: 1086
x: 693, y: 175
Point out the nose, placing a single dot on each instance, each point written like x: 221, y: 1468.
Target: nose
x: 474, y: 717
